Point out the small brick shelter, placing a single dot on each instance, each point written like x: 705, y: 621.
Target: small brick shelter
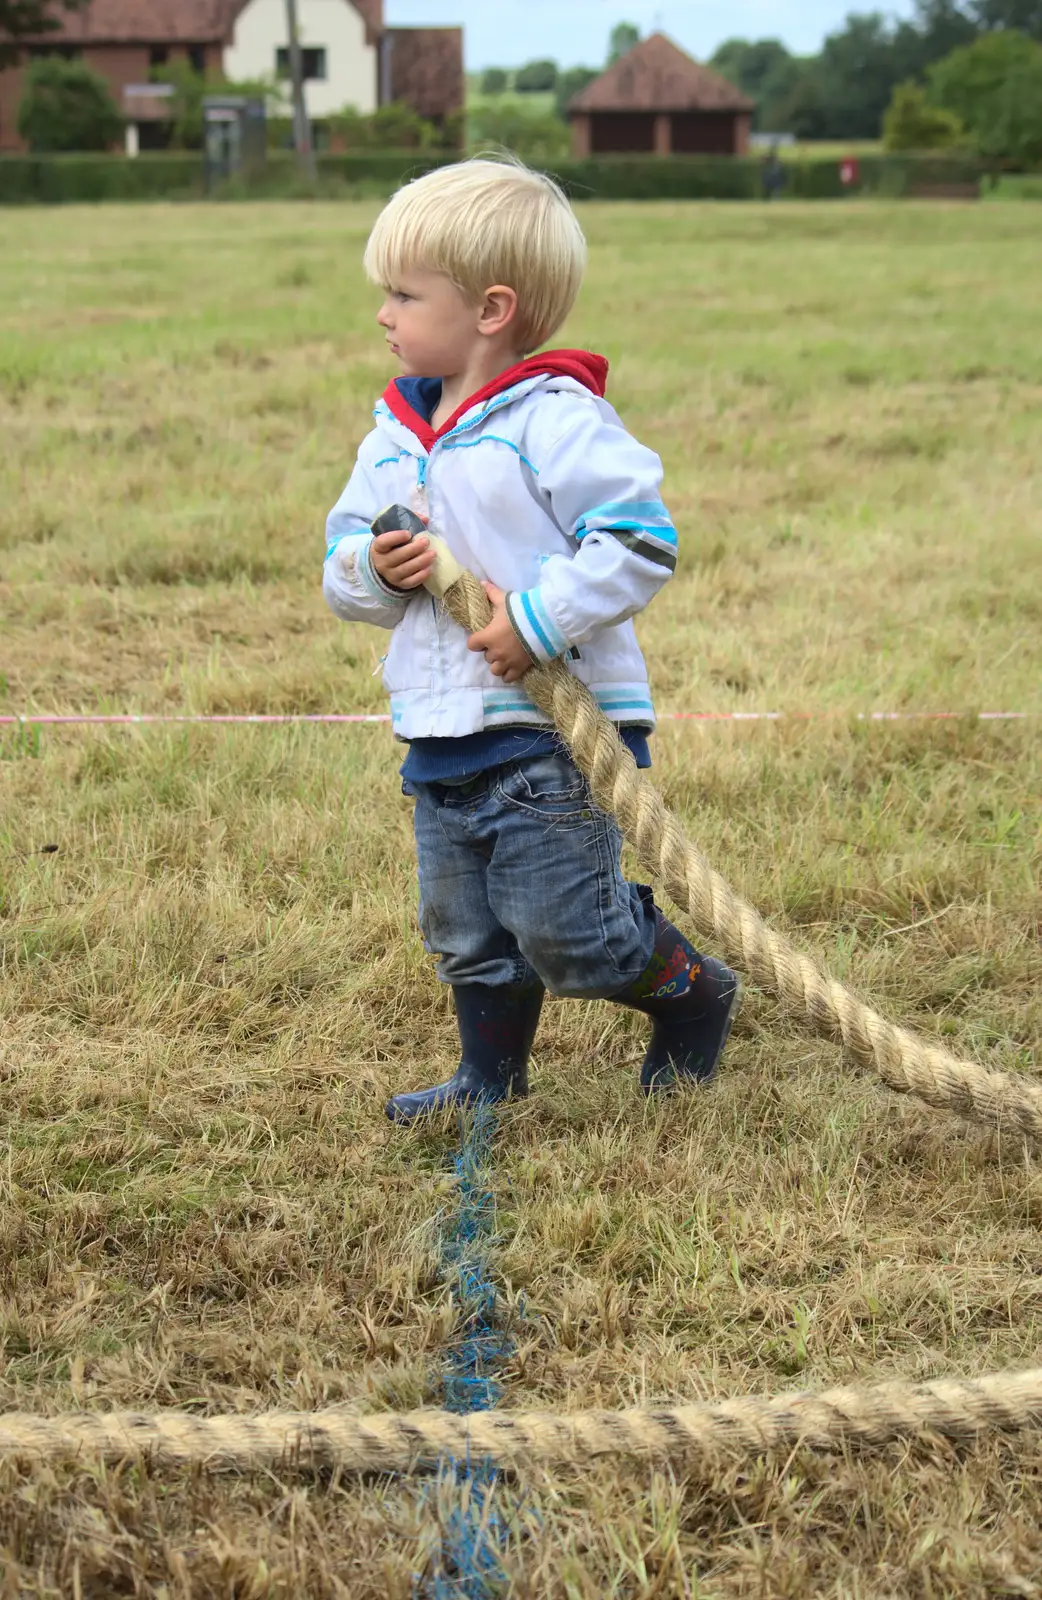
x: 657, y: 100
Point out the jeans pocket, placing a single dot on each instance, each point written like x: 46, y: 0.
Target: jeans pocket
x: 550, y: 786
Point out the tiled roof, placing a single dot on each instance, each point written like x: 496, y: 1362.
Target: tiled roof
x: 144, y: 22
x: 656, y: 75
x: 170, y: 21
x: 426, y: 69
x: 372, y: 12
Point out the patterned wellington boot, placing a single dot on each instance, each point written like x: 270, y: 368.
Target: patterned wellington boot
x: 496, y: 1027
x: 692, y: 1000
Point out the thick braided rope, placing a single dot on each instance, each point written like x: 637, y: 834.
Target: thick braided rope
x: 696, y: 1435
x: 691, y: 1435
x: 904, y: 1062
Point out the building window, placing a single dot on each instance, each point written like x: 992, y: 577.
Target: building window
x: 197, y: 57
x: 158, y: 56
x: 314, y: 62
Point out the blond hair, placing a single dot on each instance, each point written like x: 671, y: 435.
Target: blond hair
x: 483, y: 222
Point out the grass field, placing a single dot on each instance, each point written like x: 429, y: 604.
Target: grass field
x: 211, y: 976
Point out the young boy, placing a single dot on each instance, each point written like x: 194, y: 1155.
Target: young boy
x: 527, y: 473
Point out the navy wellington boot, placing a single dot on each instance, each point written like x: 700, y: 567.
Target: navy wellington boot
x: 692, y: 1001
x: 496, y: 1027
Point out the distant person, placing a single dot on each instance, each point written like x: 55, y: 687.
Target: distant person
x: 773, y: 175
x: 527, y: 473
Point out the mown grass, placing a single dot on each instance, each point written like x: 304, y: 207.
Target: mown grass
x: 213, y: 981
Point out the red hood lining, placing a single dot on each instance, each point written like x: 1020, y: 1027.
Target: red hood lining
x: 586, y: 368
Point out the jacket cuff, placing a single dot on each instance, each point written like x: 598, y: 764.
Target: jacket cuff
x: 372, y: 581
x: 534, y: 626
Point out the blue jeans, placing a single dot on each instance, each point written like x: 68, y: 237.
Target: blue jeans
x: 520, y: 879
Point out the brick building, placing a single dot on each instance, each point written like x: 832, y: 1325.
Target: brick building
x: 350, y: 58
x: 656, y: 100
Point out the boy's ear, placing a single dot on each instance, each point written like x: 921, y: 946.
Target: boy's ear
x: 498, y: 309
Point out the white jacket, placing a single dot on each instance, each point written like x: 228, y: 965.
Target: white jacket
x: 537, y: 486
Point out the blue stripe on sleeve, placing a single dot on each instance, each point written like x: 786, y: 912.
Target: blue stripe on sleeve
x: 533, y: 622
x: 650, y: 513
x: 662, y: 532
x: 560, y: 643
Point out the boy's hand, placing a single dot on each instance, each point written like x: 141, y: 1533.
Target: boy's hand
x: 403, y: 562
x: 500, y: 645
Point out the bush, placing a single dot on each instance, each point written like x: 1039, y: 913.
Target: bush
x: 66, y: 106
x: 398, y: 127
x: 493, y: 81
x: 536, y: 139
x: 538, y: 77
x: 912, y: 123
x: 392, y: 127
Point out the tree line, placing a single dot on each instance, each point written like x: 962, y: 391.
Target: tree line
x: 959, y: 72
x: 844, y: 91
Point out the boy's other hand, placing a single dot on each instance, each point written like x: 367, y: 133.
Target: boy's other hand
x: 402, y: 561
x: 499, y: 644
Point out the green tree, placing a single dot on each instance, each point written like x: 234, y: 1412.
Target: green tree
x: 570, y: 83
x: 912, y: 123
x: 1025, y: 16
x: 66, y: 106
x: 857, y: 75
x: 729, y: 60
x: 749, y: 66
x: 536, y: 78
x: 186, y: 106
x: 939, y: 27
x: 779, y: 96
x: 187, y: 130
x: 766, y: 72
x: 994, y: 87
x: 22, y: 19
x: 493, y: 80
x: 622, y: 38
x: 802, y: 111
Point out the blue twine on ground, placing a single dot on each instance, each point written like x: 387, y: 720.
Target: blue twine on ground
x: 469, y: 1563
x: 481, y: 1345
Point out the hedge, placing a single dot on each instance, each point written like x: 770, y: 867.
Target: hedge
x: 180, y: 176
x: 54, y: 179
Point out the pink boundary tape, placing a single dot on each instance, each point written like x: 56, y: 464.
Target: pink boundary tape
x: 147, y: 718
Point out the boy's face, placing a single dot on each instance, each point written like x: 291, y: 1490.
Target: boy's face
x: 430, y: 326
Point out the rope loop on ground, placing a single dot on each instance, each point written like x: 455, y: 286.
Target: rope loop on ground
x: 906, y: 1063
x: 692, y: 1436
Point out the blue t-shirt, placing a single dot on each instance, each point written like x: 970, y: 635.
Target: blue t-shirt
x: 450, y: 760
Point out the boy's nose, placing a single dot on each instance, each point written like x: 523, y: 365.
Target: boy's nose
x: 383, y: 316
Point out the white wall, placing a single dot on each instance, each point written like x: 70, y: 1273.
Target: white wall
x: 335, y: 24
